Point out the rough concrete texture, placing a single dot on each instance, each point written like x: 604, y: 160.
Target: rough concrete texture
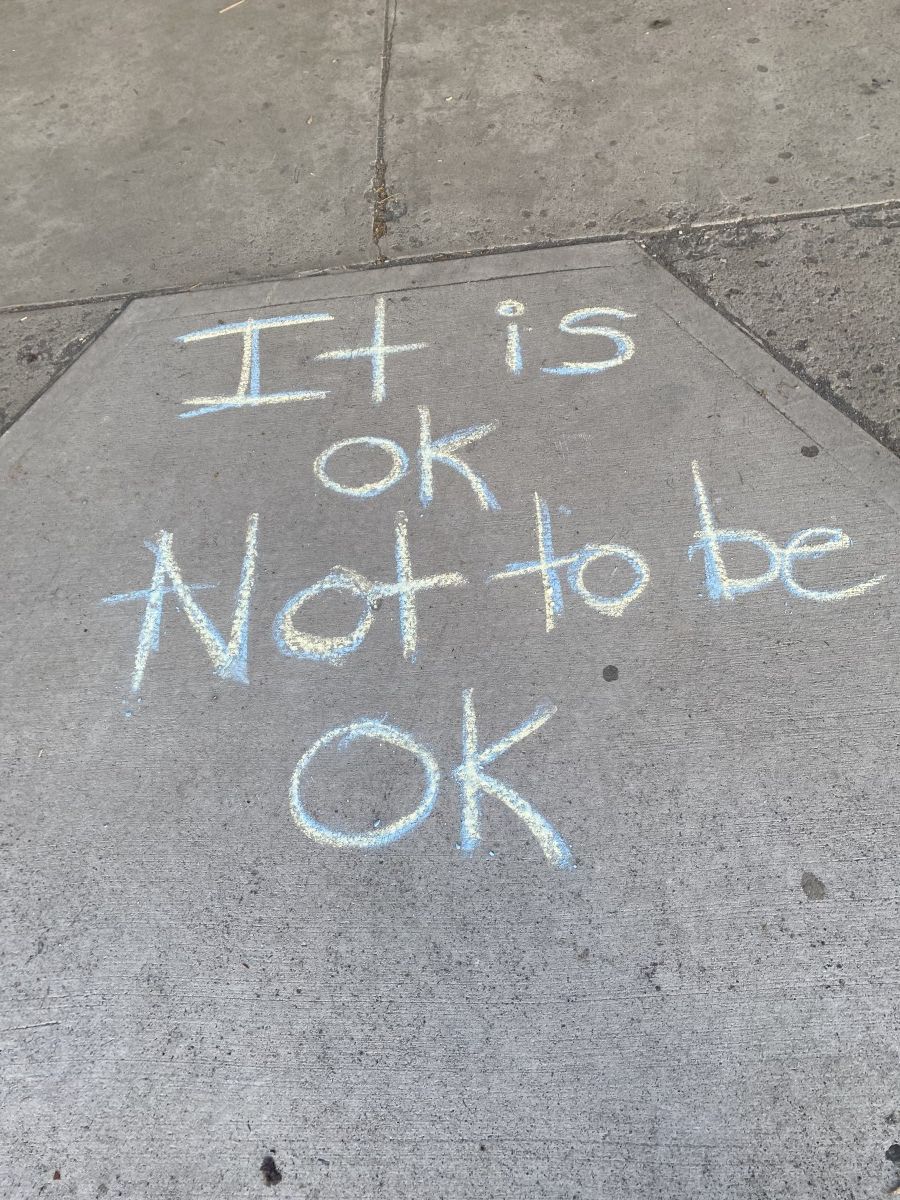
x: 823, y: 294
x: 547, y: 121
x: 37, y: 346
x: 168, y: 144
x: 199, y: 999
x: 157, y: 144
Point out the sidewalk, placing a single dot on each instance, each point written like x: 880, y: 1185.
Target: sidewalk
x: 169, y: 146
x: 448, y: 722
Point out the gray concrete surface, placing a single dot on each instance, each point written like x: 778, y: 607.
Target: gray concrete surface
x: 36, y: 347
x: 821, y: 293
x: 200, y: 1000
x: 540, y: 122
x: 162, y: 144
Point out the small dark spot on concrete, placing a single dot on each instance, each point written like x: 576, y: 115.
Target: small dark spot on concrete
x: 660, y: 23
x: 33, y: 353
x: 375, y: 604
x: 813, y: 887
x: 610, y: 674
x: 762, y: 70
x: 809, y: 451
x: 785, y: 154
x: 482, y: 1146
x: 270, y: 1173
x: 57, y: 1174
x: 892, y: 1154
x: 771, y: 179
x: 779, y: 108
x: 753, y: 41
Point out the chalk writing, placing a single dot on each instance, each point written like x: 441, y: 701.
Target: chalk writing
x: 471, y: 776
x: 364, y: 491
x: 512, y: 308
x: 474, y: 781
x: 807, y: 545
x: 561, y: 575
x: 377, y: 353
x: 572, y: 323
x: 801, y: 546
x: 548, y: 565
x: 345, y: 735
x: 445, y: 450
x: 248, y: 394
x: 294, y: 644
x: 229, y: 658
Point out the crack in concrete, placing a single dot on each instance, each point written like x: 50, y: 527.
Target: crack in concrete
x: 634, y: 235
x: 379, y: 177
x: 645, y: 239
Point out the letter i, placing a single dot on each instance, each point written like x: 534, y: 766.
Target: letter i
x: 512, y: 308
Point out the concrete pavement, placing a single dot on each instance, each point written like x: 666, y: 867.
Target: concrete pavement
x: 168, y: 147
x: 468, y: 772
x: 589, y: 119
x: 462, y: 772
x: 819, y: 292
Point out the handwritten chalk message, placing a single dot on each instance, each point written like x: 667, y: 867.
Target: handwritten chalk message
x: 555, y: 572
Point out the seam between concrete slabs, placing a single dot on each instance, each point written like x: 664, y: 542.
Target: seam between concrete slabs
x: 852, y: 447
x: 643, y: 253
x: 821, y: 387
x: 86, y: 344
x: 635, y: 235
x: 379, y: 176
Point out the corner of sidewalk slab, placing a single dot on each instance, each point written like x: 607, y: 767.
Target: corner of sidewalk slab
x: 819, y: 293
x: 37, y: 346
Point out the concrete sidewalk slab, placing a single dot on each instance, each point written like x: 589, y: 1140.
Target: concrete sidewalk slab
x: 553, y: 122
x: 821, y: 292
x: 35, y: 347
x: 668, y: 964
x: 170, y: 144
